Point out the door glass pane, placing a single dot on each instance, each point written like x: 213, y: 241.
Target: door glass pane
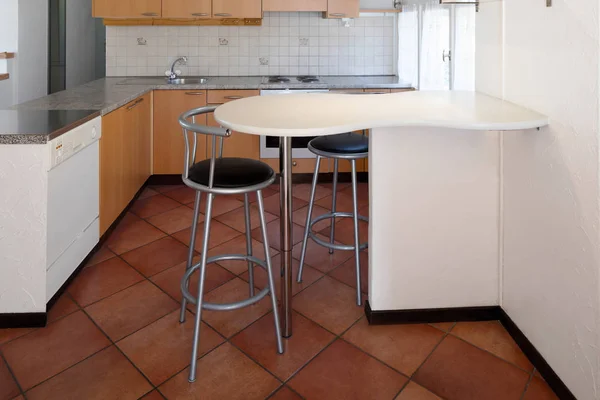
x: 463, y: 53
x: 435, y: 48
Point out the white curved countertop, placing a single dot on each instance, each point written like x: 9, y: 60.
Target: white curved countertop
x: 316, y: 114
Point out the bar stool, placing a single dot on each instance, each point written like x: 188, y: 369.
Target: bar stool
x: 223, y: 176
x: 345, y: 146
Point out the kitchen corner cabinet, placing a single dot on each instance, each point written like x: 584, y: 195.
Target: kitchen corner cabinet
x: 343, y: 8
x: 125, y: 157
x: 237, y: 8
x: 294, y: 5
x: 187, y: 9
x: 127, y: 8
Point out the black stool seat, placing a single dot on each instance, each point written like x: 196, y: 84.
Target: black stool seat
x: 344, y: 143
x: 232, y: 173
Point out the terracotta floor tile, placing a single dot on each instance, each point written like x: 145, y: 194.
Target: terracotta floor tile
x: 166, y: 188
x: 46, y: 352
x: 268, y: 192
x: 459, y: 371
x: 444, y: 326
x: 362, y: 193
x: 219, y: 234
x: 6, y: 335
x: 133, y: 235
x: 184, y: 195
x: 413, y: 391
x: 285, y: 393
x: 228, y: 323
x: 274, y: 234
x: 539, y: 390
x: 238, y: 246
x: 344, y: 231
x: 340, y: 185
x: 157, y: 256
x: 344, y: 372
x: 310, y: 275
x: 63, y: 307
x: 347, y: 272
x: 537, y: 373
x: 153, y: 395
x: 236, y: 219
x: 8, y: 386
x: 300, y: 217
x: 403, y: 347
x: 19, y: 398
x: 273, y: 204
x: 154, y: 205
x: 302, y: 191
x: 147, y: 192
x: 258, y: 341
x: 343, y: 202
x: 170, y: 280
x: 102, y: 254
x: 491, y: 336
x: 329, y: 303
x: 318, y: 256
x: 102, y: 280
x: 164, y: 347
x: 106, y: 375
x: 175, y: 220
x: 131, y: 309
x: 225, y: 373
x: 221, y: 204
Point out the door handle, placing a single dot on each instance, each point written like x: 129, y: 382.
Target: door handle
x: 200, y: 14
x: 446, y: 55
x: 337, y: 14
x: 194, y: 93
x: 222, y: 15
x: 134, y: 105
x: 233, y: 97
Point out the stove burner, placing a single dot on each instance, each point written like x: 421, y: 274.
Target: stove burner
x: 278, y: 79
x: 308, y: 79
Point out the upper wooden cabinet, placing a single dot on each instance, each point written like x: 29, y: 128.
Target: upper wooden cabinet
x: 187, y: 9
x: 237, y: 8
x: 127, y: 8
x: 295, y: 5
x: 343, y: 8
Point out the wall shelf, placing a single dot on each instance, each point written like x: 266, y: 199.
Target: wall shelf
x: 4, y: 77
x: 5, y: 55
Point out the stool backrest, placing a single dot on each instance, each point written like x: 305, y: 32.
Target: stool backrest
x: 187, y: 120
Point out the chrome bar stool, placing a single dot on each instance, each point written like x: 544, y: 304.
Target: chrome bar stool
x: 345, y: 146
x: 223, y: 176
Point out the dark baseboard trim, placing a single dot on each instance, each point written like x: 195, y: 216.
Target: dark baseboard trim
x: 464, y: 314
x: 432, y: 315
x: 296, y: 178
x: 165, y: 180
x: 23, y: 320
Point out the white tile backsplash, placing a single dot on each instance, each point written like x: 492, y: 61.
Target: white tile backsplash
x: 286, y: 44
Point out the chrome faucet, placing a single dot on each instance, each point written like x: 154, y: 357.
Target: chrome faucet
x: 171, y: 73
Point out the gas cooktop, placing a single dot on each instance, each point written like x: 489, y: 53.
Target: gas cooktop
x: 294, y: 79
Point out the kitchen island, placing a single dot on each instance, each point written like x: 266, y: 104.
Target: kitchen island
x: 435, y: 195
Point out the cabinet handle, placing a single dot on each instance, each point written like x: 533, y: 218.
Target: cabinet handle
x: 134, y: 105
x: 194, y: 93
x: 234, y: 97
x: 150, y: 14
x: 294, y: 163
x: 200, y: 14
x: 222, y: 15
x: 337, y: 14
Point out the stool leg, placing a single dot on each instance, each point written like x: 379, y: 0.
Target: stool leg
x: 356, y: 237
x: 311, y: 204
x: 249, y: 245
x: 263, y: 225
x: 195, y: 345
x: 333, y: 202
x: 190, y: 260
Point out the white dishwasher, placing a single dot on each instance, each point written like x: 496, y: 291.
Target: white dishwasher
x: 73, y: 201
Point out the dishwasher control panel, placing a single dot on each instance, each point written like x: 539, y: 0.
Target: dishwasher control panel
x: 72, y: 142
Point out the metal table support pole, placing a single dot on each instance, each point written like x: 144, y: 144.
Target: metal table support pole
x: 285, y: 167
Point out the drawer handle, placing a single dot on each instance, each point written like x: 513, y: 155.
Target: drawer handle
x: 222, y: 15
x: 295, y: 163
x: 134, y: 105
x: 200, y: 14
x: 234, y: 97
x: 194, y: 93
x: 150, y: 14
x: 337, y: 14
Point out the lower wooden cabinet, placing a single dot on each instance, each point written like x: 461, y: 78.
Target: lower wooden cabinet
x: 301, y: 165
x: 125, y: 154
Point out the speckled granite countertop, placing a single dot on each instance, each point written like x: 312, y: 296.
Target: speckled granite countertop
x: 107, y: 94
x: 39, y: 126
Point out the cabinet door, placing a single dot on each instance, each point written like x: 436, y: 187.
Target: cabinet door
x: 237, y: 145
x: 111, y: 169
x: 169, y: 144
x: 237, y: 8
x: 343, y: 8
x: 187, y: 9
x: 127, y: 8
x: 141, y: 152
x: 294, y: 5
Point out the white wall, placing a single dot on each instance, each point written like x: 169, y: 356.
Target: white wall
x: 9, y: 32
x: 550, y: 179
x: 81, y: 43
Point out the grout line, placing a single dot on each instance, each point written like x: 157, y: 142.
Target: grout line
x: 12, y: 374
x: 527, y: 386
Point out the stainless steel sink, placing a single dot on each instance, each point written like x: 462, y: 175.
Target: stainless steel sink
x: 187, y: 81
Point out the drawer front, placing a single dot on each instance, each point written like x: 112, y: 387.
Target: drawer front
x: 225, y: 96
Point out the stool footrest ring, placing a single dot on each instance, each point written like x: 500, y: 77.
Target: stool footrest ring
x: 228, y: 306
x: 332, y: 216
